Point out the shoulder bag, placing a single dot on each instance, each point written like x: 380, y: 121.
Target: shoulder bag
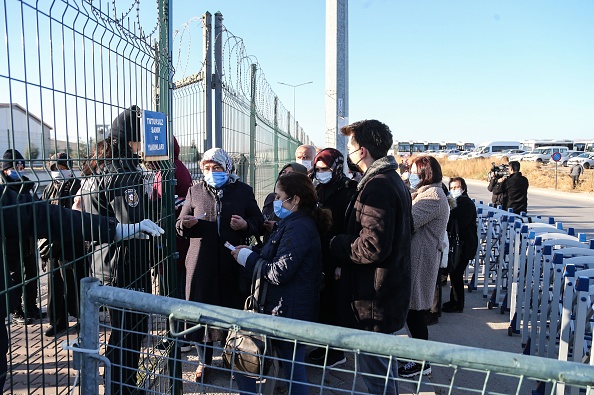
x: 247, y: 352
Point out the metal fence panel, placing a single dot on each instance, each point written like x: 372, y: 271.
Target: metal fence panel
x: 67, y: 69
x: 492, y: 372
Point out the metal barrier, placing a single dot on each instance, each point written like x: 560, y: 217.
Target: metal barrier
x: 492, y: 370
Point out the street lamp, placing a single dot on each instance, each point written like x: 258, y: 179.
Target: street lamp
x: 295, y: 86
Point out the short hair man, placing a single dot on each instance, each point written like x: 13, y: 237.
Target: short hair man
x: 305, y: 155
x: 515, y: 188
x: 375, y: 246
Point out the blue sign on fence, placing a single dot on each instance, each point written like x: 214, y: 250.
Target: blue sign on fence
x: 155, y: 135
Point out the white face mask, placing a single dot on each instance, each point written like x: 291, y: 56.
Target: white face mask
x: 324, y: 177
x: 456, y: 193
x: 61, y: 174
x: 306, y: 163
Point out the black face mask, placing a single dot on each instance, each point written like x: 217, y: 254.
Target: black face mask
x: 353, y: 167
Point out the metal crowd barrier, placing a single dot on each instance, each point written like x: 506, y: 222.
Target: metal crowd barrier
x: 490, y: 370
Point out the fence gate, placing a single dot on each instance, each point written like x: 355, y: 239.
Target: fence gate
x: 67, y: 70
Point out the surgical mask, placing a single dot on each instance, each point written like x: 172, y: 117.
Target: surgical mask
x: 324, y: 177
x: 456, y: 193
x: 14, y: 175
x: 279, y: 210
x: 216, y: 179
x: 61, y: 174
x: 414, y: 180
x: 306, y: 163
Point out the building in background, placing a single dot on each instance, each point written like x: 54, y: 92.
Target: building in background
x: 24, y: 131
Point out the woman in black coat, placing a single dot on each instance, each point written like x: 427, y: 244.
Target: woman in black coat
x: 292, y: 268
x: 464, y: 214
x: 218, y: 209
x: 335, y: 191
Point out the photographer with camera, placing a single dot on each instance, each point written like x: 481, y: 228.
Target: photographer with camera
x: 495, y: 174
x: 514, y: 187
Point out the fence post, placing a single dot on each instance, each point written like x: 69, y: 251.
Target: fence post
x: 89, y: 338
x: 218, y: 80
x: 276, y: 131
x: 207, y: 45
x: 254, y: 70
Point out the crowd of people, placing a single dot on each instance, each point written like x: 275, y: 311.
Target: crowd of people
x: 341, y: 241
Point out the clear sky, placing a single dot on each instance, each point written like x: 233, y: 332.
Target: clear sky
x: 433, y: 69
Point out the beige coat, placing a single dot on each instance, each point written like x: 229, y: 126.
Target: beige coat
x: 430, y: 210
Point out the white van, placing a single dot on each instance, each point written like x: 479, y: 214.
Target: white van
x: 488, y: 148
x: 543, y: 154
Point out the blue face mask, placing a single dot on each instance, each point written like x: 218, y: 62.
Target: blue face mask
x: 414, y: 181
x: 14, y: 175
x: 216, y: 179
x: 279, y: 210
x: 456, y: 193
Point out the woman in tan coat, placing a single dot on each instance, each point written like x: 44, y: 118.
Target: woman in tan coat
x: 430, y: 212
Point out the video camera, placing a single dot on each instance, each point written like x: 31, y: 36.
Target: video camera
x: 498, y: 171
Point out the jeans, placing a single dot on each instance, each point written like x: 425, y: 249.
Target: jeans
x: 378, y: 366
x: 294, y: 372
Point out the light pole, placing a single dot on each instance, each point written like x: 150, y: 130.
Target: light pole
x: 295, y: 86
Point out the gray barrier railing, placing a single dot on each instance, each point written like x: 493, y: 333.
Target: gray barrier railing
x: 458, y: 358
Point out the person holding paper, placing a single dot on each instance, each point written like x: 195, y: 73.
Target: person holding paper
x: 218, y: 209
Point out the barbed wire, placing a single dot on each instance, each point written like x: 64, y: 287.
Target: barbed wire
x: 181, y: 32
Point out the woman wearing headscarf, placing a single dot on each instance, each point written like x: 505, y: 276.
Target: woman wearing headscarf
x: 218, y: 209
x: 334, y: 191
x: 430, y: 211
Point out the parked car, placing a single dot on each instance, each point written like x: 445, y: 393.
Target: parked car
x: 488, y: 148
x: 505, y: 155
x: 567, y: 156
x: 585, y: 159
x: 519, y: 157
x: 543, y: 154
x: 460, y: 156
x: 447, y: 153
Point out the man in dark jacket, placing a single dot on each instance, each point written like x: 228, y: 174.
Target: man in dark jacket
x: 515, y: 188
x: 376, y: 247
x: 25, y: 270
x: 42, y: 220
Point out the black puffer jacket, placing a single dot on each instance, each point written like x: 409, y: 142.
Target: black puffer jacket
x: 377, y: 244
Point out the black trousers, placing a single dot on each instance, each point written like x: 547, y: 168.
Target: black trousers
x: 63, y: 287
x: 25, y: 277
x: 125, y: 341
x: 457, y: 281
x: 416, y: 320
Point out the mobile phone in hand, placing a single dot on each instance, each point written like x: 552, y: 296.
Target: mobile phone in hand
x: 229, y: 246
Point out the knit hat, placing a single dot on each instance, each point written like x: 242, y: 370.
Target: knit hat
x: 126, y: 127
x: 61, y: 158
x: 12, y: 159
x: 219, y: 156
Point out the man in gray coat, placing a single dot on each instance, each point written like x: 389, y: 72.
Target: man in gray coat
x: 376, y: 242
x: 575, y: 172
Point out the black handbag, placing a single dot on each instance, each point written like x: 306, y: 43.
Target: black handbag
x: 455, y: 253
x: 247, y: 352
